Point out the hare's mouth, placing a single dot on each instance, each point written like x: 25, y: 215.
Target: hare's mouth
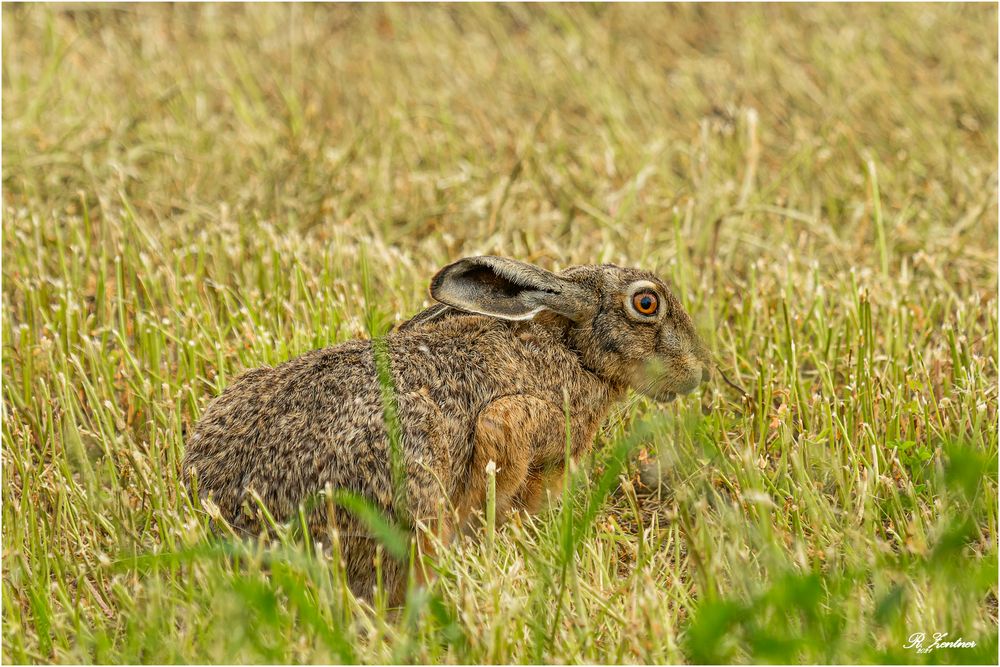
x: 664, y: 396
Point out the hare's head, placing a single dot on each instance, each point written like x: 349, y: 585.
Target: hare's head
x: 626, y: 324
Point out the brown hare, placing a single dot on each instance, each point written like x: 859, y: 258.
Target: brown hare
x: 484, y: 375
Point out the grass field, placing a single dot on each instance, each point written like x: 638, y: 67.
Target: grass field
x: 191, y: 191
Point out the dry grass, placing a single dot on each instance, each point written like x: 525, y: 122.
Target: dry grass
x: 188, y: 192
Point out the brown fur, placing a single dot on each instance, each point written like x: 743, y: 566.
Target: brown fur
x: 471, y: 388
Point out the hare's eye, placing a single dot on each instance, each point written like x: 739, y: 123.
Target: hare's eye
x: 645, y: 303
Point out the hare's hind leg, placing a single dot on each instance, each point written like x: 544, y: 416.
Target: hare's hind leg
x: 370, y: 473
x: 427, y: 456
x: 433, y: 522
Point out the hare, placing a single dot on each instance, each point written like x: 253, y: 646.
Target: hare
x: 484, y: 375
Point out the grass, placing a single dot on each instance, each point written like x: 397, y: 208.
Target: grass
x: 191, y: 191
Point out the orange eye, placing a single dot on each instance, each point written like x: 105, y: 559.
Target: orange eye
x: 645, y: 303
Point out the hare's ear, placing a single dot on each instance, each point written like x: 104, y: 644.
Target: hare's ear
x: 508, y: 289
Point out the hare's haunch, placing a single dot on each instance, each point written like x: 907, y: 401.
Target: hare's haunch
x: 481, y: 376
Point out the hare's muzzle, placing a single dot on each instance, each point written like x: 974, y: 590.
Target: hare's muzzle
x: 663, y: 378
